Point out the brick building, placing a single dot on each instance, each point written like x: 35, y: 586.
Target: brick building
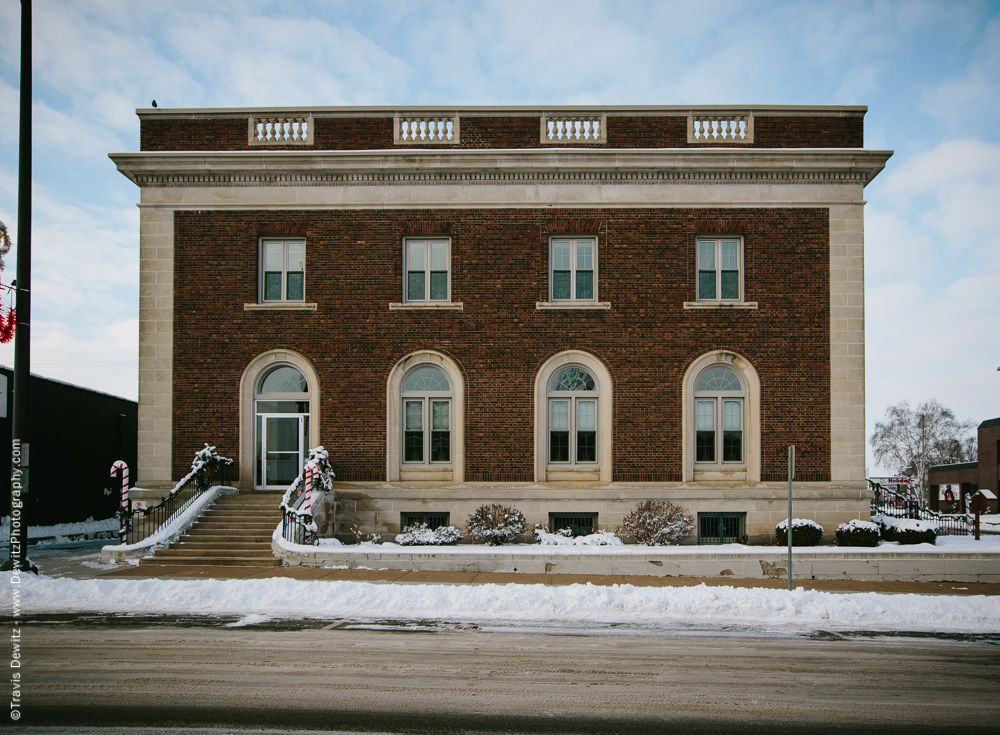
x: 949, y: 484
x: 564, y: 309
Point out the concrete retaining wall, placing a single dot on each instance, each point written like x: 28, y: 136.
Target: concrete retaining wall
x: 873, y: 565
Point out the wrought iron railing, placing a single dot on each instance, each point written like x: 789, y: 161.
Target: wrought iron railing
x: 297, y: 523
x: 891, y: 503
x: 208, y: 470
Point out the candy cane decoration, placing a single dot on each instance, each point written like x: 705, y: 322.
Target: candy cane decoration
x: 968, y: 514
x: 119, y: 465
x: 312, y: 471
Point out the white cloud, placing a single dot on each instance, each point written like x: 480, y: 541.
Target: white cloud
x: 970, y: 100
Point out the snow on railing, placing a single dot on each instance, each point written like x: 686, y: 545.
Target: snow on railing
x: 890, y: 503
x: 207, y: 469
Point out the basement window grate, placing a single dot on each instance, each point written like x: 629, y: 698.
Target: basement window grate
x: 581, y: 524
x: 722, y: 528
x: 433, y: 520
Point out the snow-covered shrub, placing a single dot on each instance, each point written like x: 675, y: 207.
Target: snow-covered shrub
x: 886, y: 526
x: 916, y: 532
x: 496, y: 524
x: 858, y: 533
x: 600, y: 538
x: 657, y: 523
x: 805, y: 532
x: 418, y: 534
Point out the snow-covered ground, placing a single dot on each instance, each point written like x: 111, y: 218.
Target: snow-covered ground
x: 959, y: 544
x: 63, y: 532
x: 512, y: 603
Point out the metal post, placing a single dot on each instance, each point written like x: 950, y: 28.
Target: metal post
x: 791, y: 474
x: 18, y: 560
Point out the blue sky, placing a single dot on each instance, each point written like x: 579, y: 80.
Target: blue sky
x: 928, y: 71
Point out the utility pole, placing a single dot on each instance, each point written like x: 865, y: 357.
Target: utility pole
x: 20, y: 438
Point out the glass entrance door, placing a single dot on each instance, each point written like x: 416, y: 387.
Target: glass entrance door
x: 280, y: 443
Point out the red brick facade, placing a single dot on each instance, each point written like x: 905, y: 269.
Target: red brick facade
x: 499, y: 261
x: 375, y: 133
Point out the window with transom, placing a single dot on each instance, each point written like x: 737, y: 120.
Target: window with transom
x: 720, y: 269
x: 572, y: 417
x: 427, y: 263
x: 573, y: 269
x: 426, y: 419
x: 282, y: 270
x: 719, y: 397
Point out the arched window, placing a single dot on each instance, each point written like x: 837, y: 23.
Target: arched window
x: 721, y: 434
x: 426, y: 418
x: 279, y: 418
x: 573, y: 416
x: 572, y: 399
x: 719, y: 397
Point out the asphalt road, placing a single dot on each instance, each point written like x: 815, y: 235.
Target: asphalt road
x: 451, y: 679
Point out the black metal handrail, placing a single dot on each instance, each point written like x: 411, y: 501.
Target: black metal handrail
x: 207, y: 470
x: 891, y: 503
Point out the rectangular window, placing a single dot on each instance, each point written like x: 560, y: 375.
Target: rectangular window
x: 720, y: 269
x: 722, y: 528
x: 573, y: 269
x: 581, y: 524
x: 283, y: 270
x: 559, y: 431
x: 426, y: 428
x: 428, y: 270
x: 586, y: 431
x: 705, y: 451
x: 433, y: 520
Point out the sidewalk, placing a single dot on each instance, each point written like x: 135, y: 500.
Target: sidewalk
x: 473, y: 578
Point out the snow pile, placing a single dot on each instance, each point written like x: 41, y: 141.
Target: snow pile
x: 909, y: 524
x: 513, y: 603
x: 798, y: 523
x: 856, y: 525
x: 601, y: 538
x: 63, y: 532
x: 420, y: 535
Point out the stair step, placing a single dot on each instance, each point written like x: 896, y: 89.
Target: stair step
x: 238, y: 532
x: 226, y: 541
x: 217, y: 553
x: 210, y: 561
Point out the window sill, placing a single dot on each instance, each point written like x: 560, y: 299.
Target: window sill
x: 554, y: 305
x: 444, y: 306
x: 280, y: 306
x: 720, y: 305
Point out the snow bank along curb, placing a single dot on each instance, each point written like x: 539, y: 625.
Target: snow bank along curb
x: 514, y: 603
x: 166, y: 534
x: 885, y: 563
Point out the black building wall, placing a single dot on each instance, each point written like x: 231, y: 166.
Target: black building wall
x: 76, y: 435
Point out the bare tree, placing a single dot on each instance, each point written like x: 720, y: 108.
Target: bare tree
x: 914, y: 440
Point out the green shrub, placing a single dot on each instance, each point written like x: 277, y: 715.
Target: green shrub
x: 916, y: 532
x: 804, y: 532
x: 858, y: 533
x: 886, y: 526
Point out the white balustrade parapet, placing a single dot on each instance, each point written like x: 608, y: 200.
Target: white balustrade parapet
x: 573, y: 129
x: 275, y: 130
x: 721, y: 129
x: 424, y: 129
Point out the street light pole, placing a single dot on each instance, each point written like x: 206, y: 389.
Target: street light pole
x: 18, y: 560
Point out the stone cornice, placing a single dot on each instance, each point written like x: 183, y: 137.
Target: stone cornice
x: 469, y: 167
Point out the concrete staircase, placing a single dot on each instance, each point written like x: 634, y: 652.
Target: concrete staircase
x: 234, y: 532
